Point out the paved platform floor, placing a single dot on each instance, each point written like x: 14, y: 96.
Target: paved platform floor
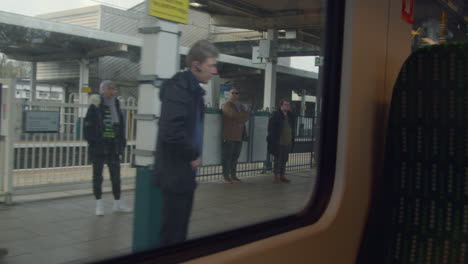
x: 65, y: 230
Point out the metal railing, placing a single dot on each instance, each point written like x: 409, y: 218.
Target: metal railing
x: 46, y: 158
x: 301, y: 159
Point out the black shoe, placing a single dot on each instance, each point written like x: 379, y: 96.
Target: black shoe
x: 283, y: 179
x: 227, y: 180
x: 3, y: 252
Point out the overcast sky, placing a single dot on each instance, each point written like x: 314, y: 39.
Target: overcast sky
x: 36, y: 7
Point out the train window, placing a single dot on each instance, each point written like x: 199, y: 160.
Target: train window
x: 265, y: 135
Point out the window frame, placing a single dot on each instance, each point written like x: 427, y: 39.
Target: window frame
x: 326, y: 149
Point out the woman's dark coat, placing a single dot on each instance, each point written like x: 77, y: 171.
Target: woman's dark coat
x: 94, y: 128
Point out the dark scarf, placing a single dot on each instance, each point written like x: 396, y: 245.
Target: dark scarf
x: 110, y: 102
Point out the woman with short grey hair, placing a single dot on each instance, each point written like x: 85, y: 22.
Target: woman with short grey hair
x: 104, y: 129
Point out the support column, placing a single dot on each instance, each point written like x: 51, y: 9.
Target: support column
x: 33, y: 82
x: 215, y: 82
x: 83, y: 82
x: 269, y: 95
x: 212, y: 92
x: 317, y: 114
x: 7, y: 135
x: 209, y: 96
x: 159, y: 61
x: 303, y: 102
x: 301, y: 124
x: 318, y: 101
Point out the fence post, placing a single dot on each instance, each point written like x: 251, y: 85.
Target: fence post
x: 250, y: 138
x: 7, y: 135
x: 267, y: 165
x: 314, y: 145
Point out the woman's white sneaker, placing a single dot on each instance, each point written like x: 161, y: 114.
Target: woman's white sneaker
x: 99, y: 207
x: 121, y: 207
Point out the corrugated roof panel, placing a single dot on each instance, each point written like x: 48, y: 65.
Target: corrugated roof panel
x: 196, y: 29
x: 57, y: 70
x: 62, y: 70
x: 117, y: 22
x: 118, y: 69
x: 86, y: 17
x: 89, y: 20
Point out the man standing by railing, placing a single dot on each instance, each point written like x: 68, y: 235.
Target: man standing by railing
x: 104, y: 129
x: 280, y: 139
x: 234, y: 118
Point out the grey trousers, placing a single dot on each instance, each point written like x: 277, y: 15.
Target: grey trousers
x: 230, y: 155
x: 280, y: 160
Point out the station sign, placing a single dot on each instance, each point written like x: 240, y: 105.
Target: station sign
x: 173, y: 10
x: 86, y: 89
x: 257, y: 57
x: 41, y: 121
x: 318, y: 61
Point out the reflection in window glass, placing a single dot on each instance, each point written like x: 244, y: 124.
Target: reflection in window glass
x: 436, y: 23
x: 73, y: 195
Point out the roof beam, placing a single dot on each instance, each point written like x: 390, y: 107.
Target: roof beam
x: 46, y: 25
x: 282, y: 22
x: 285, y: 48
x: 114, y: 50
x: 22, y: 56
x: 107, y: 51
x: 239, y: 7
x: 248, y: 63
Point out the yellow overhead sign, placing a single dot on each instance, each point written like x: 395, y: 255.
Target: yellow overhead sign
x: 86, y: 89
x: 174, y: 10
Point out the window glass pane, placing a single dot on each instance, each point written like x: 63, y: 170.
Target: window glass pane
x: 88, y: 190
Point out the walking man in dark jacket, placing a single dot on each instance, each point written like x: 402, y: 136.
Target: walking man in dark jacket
x: 280, y: 139
x: 179, y: 144
x: 104, y: 130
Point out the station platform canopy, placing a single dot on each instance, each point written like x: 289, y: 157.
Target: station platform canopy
x: 34, y: 39
x: 37, y: 40
x: 301, y: 17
